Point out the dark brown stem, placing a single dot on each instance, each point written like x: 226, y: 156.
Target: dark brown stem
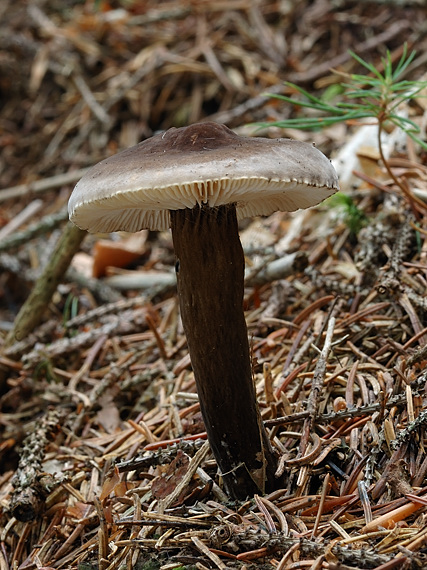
x: 210, y: 274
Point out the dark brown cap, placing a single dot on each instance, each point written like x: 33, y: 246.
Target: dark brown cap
x: 204, y: 163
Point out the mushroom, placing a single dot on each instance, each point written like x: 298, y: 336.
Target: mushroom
x: 199, y: 181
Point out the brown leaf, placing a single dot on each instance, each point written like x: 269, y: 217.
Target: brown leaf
x: 163, y: 485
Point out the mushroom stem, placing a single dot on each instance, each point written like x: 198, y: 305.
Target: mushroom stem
x: 210, y: 278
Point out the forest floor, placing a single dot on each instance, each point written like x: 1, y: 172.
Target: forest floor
x: 103, y: 454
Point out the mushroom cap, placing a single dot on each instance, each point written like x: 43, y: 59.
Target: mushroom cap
x: 204, y: 163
